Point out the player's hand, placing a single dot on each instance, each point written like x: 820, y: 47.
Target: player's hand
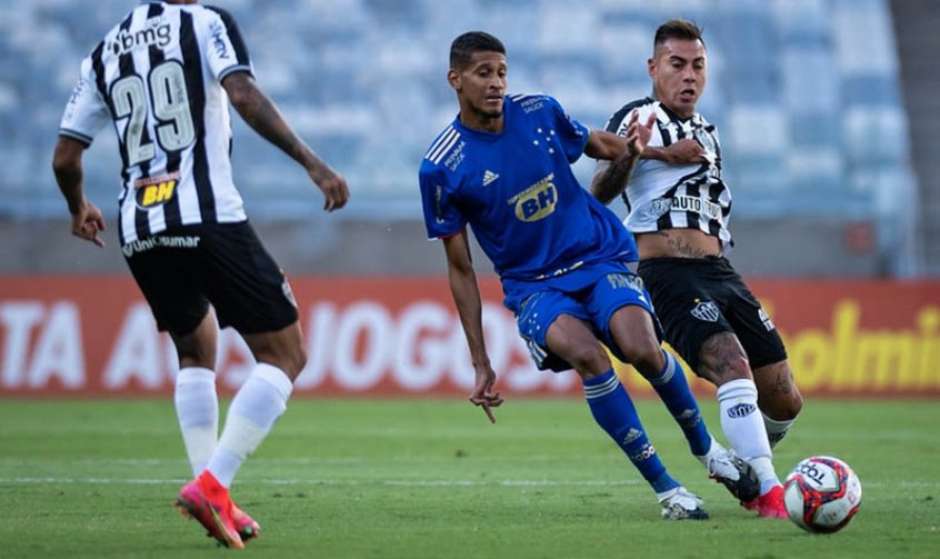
x: 483, y: 394
x: 638, y: 135
x: 87, y: 222
x: 333, y: 186
x: 684, y: 152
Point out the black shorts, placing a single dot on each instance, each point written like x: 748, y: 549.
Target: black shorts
x: 182, y: 271
x: 696, y: 298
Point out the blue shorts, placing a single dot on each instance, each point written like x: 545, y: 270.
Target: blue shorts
x: 592, y: 295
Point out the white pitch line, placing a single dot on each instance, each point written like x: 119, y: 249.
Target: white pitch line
x: 388, y: 482
x: 309, y: 461
x: 910, y: 484
x: 431, y: 483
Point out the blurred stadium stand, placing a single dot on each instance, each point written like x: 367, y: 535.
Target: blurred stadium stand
x: 806, y: 93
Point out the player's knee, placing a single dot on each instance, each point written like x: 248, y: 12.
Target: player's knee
x: 292, y: 360
x: 646, y: 357
x: 779, y: 397
x: 722, y: 369
x: 589, y: 359
x: 193, y: 354
x: 722, y: 359
x: 299, y: 359
x: 796, y: 406
x: 786, y: 409
x: 290, y: 364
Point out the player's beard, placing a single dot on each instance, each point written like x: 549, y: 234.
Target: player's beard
x: 490, y: 115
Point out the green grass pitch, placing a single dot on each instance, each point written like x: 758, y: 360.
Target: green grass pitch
x: 418, y: 478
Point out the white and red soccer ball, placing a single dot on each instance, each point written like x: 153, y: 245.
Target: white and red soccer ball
x: 822, y: 494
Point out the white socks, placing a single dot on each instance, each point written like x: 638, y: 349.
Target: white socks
x: 714, y: 450
x: 197, y: 408
x: 744, y: 428
x: 777, y: 429
x: 257, y: 405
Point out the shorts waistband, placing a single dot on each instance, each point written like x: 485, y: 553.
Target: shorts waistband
x: 710, y: 259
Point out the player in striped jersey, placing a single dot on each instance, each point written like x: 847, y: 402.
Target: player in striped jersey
x: 678, y: 208
x: 164, y: 78
x: 503, y: 168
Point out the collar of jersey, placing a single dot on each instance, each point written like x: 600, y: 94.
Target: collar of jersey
x: 673, y: 116
x: 483, y: 134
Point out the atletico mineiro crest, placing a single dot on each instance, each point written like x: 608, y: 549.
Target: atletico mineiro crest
x: 706, y: 311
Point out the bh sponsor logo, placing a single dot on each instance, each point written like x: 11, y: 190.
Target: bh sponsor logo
x: 155, y: 191
x: 536, y: 202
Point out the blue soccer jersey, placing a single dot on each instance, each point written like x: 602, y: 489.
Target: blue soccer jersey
x: 519, y: 195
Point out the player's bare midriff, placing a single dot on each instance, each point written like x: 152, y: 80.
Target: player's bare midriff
x: 677, y: 243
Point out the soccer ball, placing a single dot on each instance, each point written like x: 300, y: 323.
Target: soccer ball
x: 822, y: 494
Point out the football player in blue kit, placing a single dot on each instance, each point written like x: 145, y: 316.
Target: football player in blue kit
x: 503, y: 167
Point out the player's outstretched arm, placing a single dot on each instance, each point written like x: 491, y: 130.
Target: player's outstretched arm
x: 623, y: 153
x: 684, y: 152
x: 87, y: 220
x: 466, y: 293
x: 262, y: 115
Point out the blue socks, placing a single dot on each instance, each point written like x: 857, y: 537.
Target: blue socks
x: 614, y: 412
x: 674, y: 391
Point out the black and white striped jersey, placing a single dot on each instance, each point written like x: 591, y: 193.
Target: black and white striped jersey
x: 157, y: 77
x: 661, y: 196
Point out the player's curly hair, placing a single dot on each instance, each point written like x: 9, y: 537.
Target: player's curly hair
x: 463, y: 47
x: 678, y: 29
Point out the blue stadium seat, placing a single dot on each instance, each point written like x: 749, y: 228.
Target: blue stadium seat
x: 805, y: 92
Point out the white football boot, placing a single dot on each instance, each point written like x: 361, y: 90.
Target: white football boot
x: 680, y: 504
x: 725, y: 467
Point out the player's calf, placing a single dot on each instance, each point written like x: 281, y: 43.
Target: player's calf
x: 722, y: 360
x: 283, y: 349
x: 779, y: 399
x: 633, y: 331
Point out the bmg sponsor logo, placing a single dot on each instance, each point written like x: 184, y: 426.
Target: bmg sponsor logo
x: 156, y: 33
x: 536, y: 202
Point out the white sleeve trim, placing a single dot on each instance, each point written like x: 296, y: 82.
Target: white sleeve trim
x: 76, y: 135
x: 233, y: 69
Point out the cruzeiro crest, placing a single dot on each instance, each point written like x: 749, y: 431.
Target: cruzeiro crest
x: 706, y: 311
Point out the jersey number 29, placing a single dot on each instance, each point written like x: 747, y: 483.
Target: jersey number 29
x: 175, y: 129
